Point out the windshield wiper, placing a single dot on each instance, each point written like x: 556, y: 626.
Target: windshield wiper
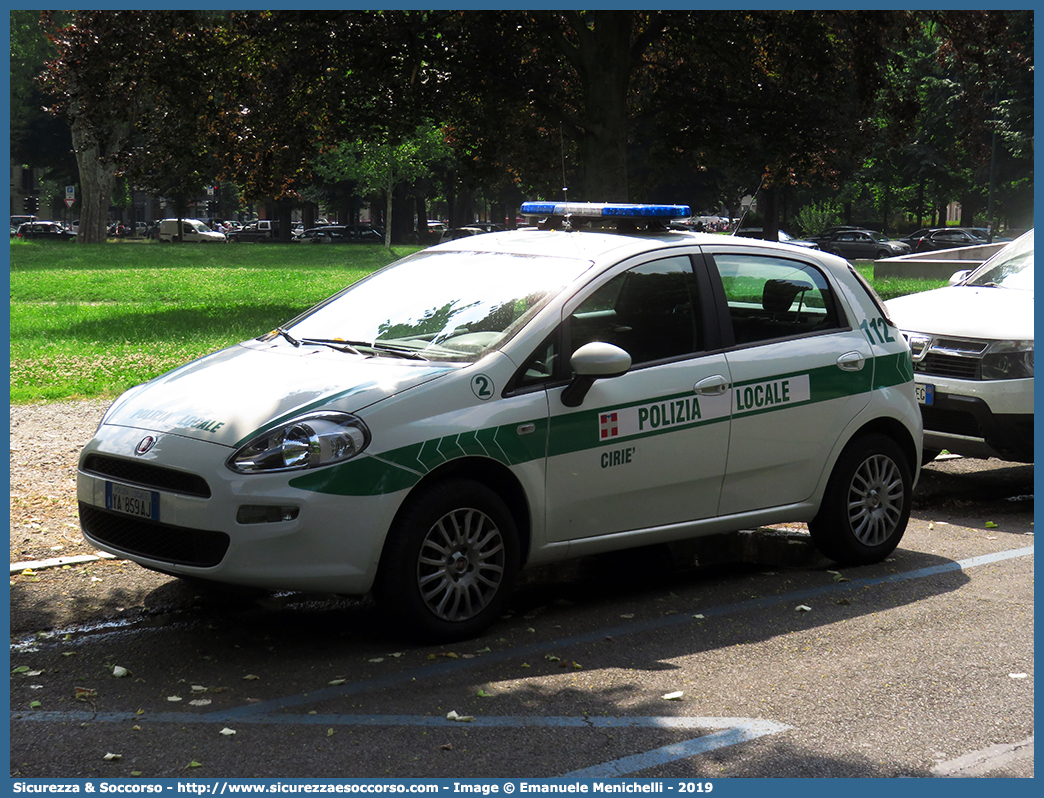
x: 287, y: 336
x: 335, y: 343
x: 399, y: 351
x: 351, y: 347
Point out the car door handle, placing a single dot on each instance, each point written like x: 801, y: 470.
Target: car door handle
x: 711, y: 386
x: 851, y: 361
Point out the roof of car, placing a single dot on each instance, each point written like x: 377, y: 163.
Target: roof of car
x: 591, y: 245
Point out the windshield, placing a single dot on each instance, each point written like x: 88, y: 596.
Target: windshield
x: 878, y: 236
x: 1012, y: 267
x: 454, y: 306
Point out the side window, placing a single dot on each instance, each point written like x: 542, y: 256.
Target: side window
x: 649, y: 311
x: 770, y: 298
x: 540, y: 367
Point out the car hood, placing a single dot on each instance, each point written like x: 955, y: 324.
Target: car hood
x: 966, y: 311
x: 226, y: 397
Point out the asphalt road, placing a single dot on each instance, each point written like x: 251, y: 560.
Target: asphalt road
x: 747, y: 656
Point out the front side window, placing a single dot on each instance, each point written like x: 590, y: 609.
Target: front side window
x: 650, y: 311
x: 770, y: 298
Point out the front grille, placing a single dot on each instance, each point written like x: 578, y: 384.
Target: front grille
x: 960, y: 368
x: 952, y: 422
x: 955, y: 358
x: 172, y: 544
x: 148, y: 475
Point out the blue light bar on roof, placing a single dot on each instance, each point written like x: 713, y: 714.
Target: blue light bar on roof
x: 601, y: 210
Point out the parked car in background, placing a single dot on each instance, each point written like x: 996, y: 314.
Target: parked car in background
x: 943, y: 238
x: 460, y: 232
x: 341, y: 234
x: 784, y: 238
x: 983, y: 232
x: 192, y: 231
x: 864, y: 244
x: 972, y: 345
x: 256, y: 232
x: 829, y: 232
x: 54, y: 231
x: 517, y: 398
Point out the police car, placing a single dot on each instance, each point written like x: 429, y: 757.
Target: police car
x: 596, y: 383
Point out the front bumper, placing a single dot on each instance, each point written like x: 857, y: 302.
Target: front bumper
x: 980, y: 418
x: 312, y: 542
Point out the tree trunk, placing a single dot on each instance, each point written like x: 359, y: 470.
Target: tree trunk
x: 284, y: 214
x: 96, y: 181
x: 768, y: 205
x: 388, y: 213
x: 605, y: 67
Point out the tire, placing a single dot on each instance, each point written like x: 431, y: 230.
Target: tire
x: 449, y: 564
x: 867, y: 502
x: 883, y: 253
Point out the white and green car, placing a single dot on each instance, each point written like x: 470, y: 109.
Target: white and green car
x: 516, y: 398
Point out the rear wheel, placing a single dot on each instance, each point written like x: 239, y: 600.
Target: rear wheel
x: 450, y: 562
x: 867, y: 502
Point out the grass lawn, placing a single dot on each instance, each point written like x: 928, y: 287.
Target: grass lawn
x: 90, y: 321
x: 93, y: 320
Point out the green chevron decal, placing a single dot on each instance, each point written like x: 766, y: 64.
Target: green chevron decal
x: 399, y: 469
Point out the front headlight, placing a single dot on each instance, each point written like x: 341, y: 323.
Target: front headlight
x: 1008, y: 360
x: 310, y: 441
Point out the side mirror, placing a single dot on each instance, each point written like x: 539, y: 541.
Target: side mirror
x: 594, y: 361
x: 958, y: 277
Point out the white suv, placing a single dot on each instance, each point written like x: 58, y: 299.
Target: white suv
x: 516, y: 398
x: 972, y: 345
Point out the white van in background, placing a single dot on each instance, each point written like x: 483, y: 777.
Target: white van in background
x: 193, y: 230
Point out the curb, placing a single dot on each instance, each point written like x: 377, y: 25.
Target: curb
x: 56, y: 562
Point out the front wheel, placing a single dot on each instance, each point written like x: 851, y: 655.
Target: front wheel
x: 867, y: 502
x: 450, y: 561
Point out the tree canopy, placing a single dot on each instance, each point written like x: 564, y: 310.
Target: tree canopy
x: 896, y: 108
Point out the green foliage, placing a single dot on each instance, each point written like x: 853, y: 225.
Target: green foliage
x: 818, y: 216
x: 901, y: 105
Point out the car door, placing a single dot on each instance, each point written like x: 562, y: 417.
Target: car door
x: 647, y: 448
x: 845, y: 244
x: 800, y: 372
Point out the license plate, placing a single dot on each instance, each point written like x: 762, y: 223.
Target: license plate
x: 132, y: 501
x: 925, y: 393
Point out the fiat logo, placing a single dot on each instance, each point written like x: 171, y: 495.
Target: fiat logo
x: 145, y: 444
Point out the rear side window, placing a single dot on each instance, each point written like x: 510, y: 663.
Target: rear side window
x: 771, y: 298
